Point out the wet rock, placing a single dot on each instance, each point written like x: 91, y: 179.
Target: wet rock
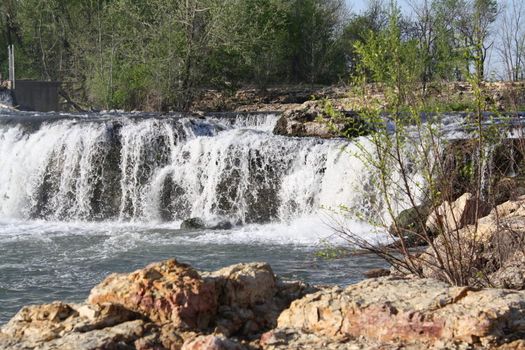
x: 317, y: 119
x: 422, y: 311
x: 198, y: 223
x: 168, y: 291
x: 222, y: 225
x: 193, y: 224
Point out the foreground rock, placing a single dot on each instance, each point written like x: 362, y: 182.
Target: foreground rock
x: 416, y: 311
x: 169, y: 305
x: 164, y: 292
x: 166, y: 305
x: 492, y: 247
x: 69, y: 326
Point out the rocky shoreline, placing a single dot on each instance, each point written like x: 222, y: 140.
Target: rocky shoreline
x: 170, y: 305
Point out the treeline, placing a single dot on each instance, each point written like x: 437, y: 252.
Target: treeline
x: 158, y: 54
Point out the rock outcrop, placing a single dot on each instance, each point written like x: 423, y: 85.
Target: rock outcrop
x: 166, y: 305
x: 163, y: 292
x: 410, y: 311
x: 169, y: 305
x: 314, y: 118
x: 489, y: 252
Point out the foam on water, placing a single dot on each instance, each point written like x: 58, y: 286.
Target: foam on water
x: 168, y: 169
x: 85, y: 195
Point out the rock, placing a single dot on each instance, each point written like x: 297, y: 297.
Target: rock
x: 374, y: 273
x: 511, y: 274
x: 411, y: 225
x: 212, y: 342
x: 490, y: 244
x: 246, y: 295
x: 167, y: 337
x: 294, y: 339
x: 452, y: 216
x: 319, y: 119
x: 222, y: 225
x: 192, y: 224
x: 508, y: 188
x: 421, y: 311
x: 198, y: 223
x: 246, y: 284
x: 68, y: 326
x: 164, y: 292
x: 119, y: 336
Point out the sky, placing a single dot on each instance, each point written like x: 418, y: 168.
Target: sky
x: 359, y: 5
x: 356, y: 5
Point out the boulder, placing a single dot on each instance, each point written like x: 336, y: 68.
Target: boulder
x: 485, y: 253
x: 165, y: 292
x: 319, y: 119
x: 193, y: 224
x: 251, y: 298
x: 70, y: 326
x: 422, y: 311
x: 453, y: 216
x: 411, y: 225
x: 198, y: 224
x: 245, y: 285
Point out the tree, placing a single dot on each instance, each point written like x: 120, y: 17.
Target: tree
x: 313, y: 27
x: 475, y: 25
x: 511, y: 47
x: 359, y: 27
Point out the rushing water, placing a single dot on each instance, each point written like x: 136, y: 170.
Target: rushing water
x: 85, y: 195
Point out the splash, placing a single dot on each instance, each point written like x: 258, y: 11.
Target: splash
x: 164, y: 169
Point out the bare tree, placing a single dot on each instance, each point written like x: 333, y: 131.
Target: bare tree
x: 511, y: 46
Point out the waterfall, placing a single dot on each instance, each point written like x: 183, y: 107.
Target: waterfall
x: 171, y: 168
x: 6, y: 98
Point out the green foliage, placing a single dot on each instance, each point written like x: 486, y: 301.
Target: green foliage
x: 328, y: 251
x: 177, y: 48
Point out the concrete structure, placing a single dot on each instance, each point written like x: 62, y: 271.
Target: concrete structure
x: 42, y: 96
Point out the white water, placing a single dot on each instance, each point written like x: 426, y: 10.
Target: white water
x: 85, y: 195
x: 6, y: 99
x: 169, y: 169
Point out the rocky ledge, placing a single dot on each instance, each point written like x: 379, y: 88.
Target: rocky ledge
x: 170, y: 305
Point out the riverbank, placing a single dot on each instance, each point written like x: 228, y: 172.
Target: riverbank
x: 449, y: 97
x: 170, y: 305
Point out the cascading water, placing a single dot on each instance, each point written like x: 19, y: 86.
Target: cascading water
x: 172, y: 168
x: 6, y: 98
x: 85, y: 195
